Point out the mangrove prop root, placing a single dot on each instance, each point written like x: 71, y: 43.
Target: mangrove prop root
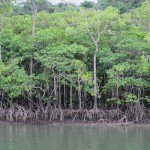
x: 17, y: 113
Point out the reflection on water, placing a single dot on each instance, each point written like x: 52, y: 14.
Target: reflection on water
x: 32, y: 137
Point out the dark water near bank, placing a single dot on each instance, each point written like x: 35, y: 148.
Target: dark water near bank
x: 34, y: 137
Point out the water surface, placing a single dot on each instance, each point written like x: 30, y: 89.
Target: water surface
x: 44, y: 137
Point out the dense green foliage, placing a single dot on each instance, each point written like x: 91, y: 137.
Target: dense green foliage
x: 87, y: 4
x: 122, y: 5
x: 52, y: 61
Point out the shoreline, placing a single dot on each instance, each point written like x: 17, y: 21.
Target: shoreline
x: 98, y: 117
x: 78, y: 124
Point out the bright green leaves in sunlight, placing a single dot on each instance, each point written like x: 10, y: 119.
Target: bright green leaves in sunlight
x: 13, y: 79
x: 62, y: 53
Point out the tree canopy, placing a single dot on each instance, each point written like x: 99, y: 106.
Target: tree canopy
x: 63, y: 58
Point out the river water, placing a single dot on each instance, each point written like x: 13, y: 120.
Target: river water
x: 44, y: 137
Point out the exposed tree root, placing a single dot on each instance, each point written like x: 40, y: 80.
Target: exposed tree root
x: 138, y: 114
x: 17, y: 113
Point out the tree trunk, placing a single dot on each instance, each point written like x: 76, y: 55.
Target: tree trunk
x: 139, y: 95
x: 96, y: 42
x: 95, y: 76
x: 85, y: 99
x: 0, y: 52
x: 79, y: 94
x: 31, y: 72
x: 2, y: 28
x: 34, y: 14
x: 55, y: 88
x: 64, y: 96
x: 117, y: 93
x: 71, y: 99
x: 60, y: 94
x: 55, y: 85
x: 95, y: 83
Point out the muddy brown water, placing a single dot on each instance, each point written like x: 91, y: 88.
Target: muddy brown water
x: 46, y: 137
